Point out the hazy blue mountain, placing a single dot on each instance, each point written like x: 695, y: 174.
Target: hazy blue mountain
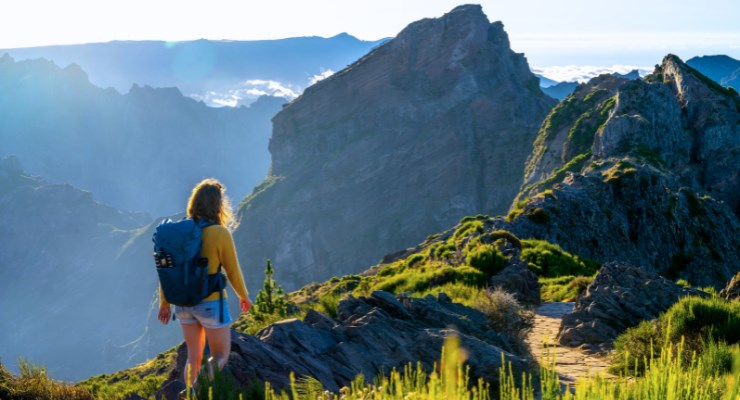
x: 140, y: 151
x: 560, y: 90
x: 73, y: 301
x: 546, y: 82
x: 202, y: 66
x: 722, y: 69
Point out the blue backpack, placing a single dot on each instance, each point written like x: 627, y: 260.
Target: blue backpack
x: 183, y: 273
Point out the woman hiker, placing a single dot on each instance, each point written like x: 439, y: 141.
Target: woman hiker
x: 208, y: 203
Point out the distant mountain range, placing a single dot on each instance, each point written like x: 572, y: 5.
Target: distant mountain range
x: 140, y: 151
x: 77, y: 285
x: 722, y: 69
x: 218, y: 72
x: 561, y: 90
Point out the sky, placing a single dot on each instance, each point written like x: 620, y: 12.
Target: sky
x: 549, y: 32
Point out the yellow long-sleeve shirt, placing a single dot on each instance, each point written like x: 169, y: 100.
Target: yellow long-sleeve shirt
x: 218, y: 246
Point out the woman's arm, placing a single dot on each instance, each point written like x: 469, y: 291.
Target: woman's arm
x: 164, y: 308
x: 230, y: 263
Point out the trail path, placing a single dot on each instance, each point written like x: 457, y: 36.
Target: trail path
x: 571, y: 363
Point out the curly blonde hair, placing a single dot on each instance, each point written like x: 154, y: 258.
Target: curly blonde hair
x: 209, y: 201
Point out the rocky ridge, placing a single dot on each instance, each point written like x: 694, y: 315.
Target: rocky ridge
x: 642, y: 171
x: 370, y: 335
x: 437, y: 121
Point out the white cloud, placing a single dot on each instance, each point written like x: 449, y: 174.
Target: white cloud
x: 582, y: 73
x: 325, y: 73
x: 247, y: 92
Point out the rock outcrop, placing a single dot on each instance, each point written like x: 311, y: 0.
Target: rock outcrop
x: 517, y: 279
x: 621, y: 296
x: 641, y: 171
x: 732, y: 290
x: 427, y: 128
x: 370, y: 335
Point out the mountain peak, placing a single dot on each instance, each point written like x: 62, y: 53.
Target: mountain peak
x: 426, y: 119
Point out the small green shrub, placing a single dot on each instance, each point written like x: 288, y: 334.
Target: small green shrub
x: 271, y: 299
x: 549, y: 260
x: 486, y: 259
x: 696, y: 318
x: 703, y: 324
x: 504, y: 314
x: 33, y: 382
x: 563, y: 288
x: 329, y: 305
x: 468, y: 228
x: 415, y: 259
x: 502, y: 234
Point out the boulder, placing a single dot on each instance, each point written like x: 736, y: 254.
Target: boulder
x: 732, y: 290
x: 520, y: 281
x: 621, y: 296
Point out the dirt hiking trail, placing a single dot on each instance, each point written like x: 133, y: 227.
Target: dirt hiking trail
x: 571, y: 363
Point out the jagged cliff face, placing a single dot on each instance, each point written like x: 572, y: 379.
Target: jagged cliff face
x: 140, y: 151
x: 431, y: 126
x: 641, y: 171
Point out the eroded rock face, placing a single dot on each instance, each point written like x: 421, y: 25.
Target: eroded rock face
x: 427, y: 128
x: 370, y: 335
x: 621, y: 296
x: 643, y: 172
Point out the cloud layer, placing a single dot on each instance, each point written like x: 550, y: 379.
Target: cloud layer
x: 247, y: 92
x: 582, y: 73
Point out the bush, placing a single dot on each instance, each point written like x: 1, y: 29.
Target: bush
x: 487, y: 259
x: 469, y: 227
x: 510, y: 237
x: 706, y: 325
x: 34, y: 383
x: 702, y: 318
x: 564, y: 288
x: 549, y: 260
x: 505, y: 315
x: 329, y: 304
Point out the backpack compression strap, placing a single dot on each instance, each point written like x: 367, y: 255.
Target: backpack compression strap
x: 220, y: 298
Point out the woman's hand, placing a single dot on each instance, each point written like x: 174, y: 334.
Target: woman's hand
x: 164, y: 315
x: 244, y: 305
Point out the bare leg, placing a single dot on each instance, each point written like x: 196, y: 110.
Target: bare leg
x: 196, y: 341
x: 219, y: 341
